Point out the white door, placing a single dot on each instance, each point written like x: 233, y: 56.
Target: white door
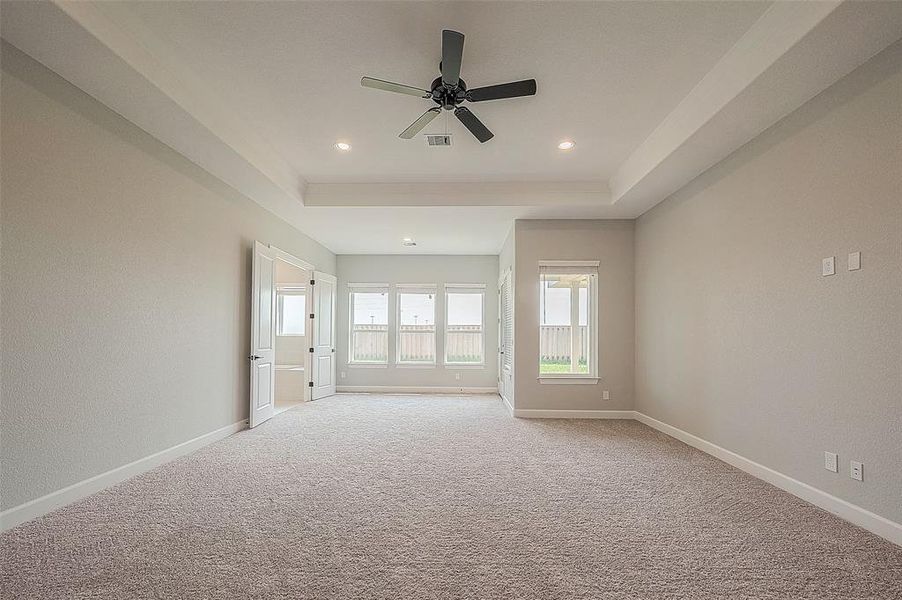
x: 323, y: 368
x: 263, y: 334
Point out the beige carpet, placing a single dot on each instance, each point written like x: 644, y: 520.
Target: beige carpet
x: 445, y: 497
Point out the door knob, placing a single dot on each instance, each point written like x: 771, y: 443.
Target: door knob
x: 254, y: 357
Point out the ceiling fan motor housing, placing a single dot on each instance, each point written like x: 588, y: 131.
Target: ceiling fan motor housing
x: 448, y: 97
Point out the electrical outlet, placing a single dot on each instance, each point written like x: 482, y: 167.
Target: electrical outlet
x: 606, y: 395
x: 856, y: 470
x: 457, y: 376
x: 828, y: 266
x: 343, y: 374
x: 830, y: 462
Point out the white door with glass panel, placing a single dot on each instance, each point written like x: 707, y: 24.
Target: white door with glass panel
x: 323, y: 360
x: 263, y: 354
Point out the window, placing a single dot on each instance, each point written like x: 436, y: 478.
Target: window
x: 567, y: 320
x: 291, y: 311
x: 464, y: 327
x: 369, y: 324
x: 416, y: 325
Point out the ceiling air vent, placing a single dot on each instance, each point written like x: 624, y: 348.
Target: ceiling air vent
x: 438, y: 140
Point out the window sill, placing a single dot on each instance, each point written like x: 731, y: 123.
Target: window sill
x: 452, y: 366
x: 568, y: 380
x: 367, y: 365
x: 416, y: 365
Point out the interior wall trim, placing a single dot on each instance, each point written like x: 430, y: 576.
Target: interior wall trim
x: 889, y: 530
x: 881, y: 526
x: 413, y: 389
x: 533, y: 413
x: 41, y: 506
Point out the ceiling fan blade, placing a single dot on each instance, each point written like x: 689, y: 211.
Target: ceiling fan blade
x: 475, y: 126
x: 418, y: 125
x: 516, y: 89
x: 388, y: 86
x: 452, y: 55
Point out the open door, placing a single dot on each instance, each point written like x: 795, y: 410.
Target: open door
x: 323, y: 367
x: 263, y: 335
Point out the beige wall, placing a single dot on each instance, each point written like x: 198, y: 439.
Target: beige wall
x: 124, y: 283
x: 741, y: 341
x: 395, y: 269
x: 611, y: 243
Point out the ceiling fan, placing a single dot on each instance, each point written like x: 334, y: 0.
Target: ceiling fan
x: 449, y: 91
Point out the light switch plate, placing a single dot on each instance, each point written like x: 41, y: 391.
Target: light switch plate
x: 828, y: 266
x: 830, y: 462
x: 854, y: 261
x: 856, y: 471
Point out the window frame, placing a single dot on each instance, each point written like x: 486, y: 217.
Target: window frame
x: 465, y: 288
x: 582, y: 267
x: 369, y: 288
x: 416, y: 288
x: 281, y: 292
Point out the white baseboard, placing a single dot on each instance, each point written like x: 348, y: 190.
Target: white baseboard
x: 531, y: 413
x: 41, y: 506
x: 412, y: 389
x: 853, y: 513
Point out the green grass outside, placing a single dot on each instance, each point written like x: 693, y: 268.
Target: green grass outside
x: 559, y: 367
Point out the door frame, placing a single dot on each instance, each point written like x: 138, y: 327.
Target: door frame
x: 309, y: 268
x: 275, y: 254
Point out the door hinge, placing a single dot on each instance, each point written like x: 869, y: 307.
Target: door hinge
x: 310, y: 384
x: 311, y: 350
x: 311, y: 315
x: 313, y: 282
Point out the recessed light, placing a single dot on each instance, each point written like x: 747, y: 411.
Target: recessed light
x: 343, y: 146
x: 408, y: 242
x: 566, y: 145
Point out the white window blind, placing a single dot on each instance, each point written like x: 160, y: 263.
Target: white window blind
x: 507, y: 324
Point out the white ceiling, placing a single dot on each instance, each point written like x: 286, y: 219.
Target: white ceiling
x: 257, y: 93
x: 607, y: 73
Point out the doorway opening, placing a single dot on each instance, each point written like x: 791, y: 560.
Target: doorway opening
x: 292, y: 333
x: 292, y: 341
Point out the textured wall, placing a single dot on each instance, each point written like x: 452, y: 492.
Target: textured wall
x: 124, y: 286
x: 440, y: 270
x: 611, y: 243
x: 741, y: 341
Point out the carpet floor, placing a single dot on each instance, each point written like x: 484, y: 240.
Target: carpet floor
x: 422, y: 497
